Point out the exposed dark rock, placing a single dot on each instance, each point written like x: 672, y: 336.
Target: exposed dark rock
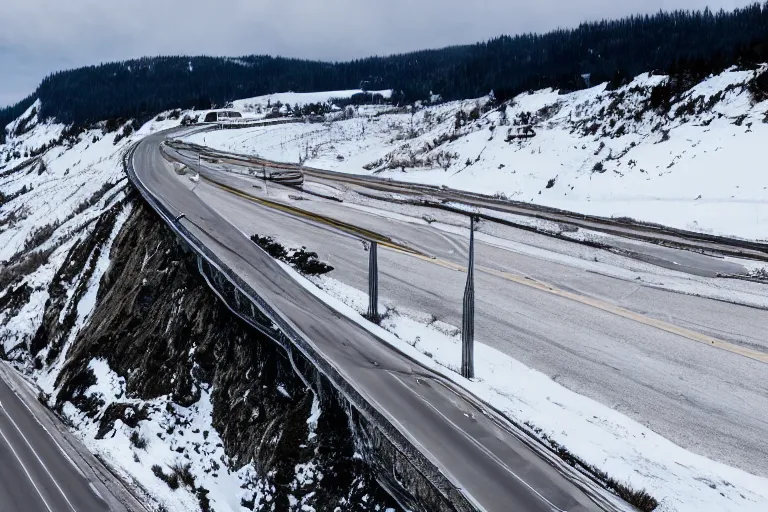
x: 158, y: 325
x: 14, y: 299
x: 302, y: 260
x: 24, y: 165
x: 77, y: 269
x: 129, y: 414
x: 758, y: 87
x: 74, y: 391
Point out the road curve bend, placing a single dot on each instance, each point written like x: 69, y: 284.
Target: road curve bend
x: 488, y: 463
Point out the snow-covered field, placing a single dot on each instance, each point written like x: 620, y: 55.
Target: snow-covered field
x: 698, y: 167
x: 257, y: 103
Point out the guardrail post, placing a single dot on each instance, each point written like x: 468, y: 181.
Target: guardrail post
x: 468, y: 311
x: 373, y: 283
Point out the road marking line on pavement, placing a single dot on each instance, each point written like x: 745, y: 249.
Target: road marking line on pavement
x: 23, y: 467
x: 95, y: 491
x: 37, y: 457
x: 298, y: 212
x: 609, y: 308
x: 476, y: 443
x: 12, y: 387
x: 516, y: 278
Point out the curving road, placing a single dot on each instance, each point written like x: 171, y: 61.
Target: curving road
x: 491, y: 466
x: 671, y: 361
x: 623, y: 340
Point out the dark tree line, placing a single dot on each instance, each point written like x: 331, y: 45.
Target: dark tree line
x: 695, y: 43
x: 10, y: 114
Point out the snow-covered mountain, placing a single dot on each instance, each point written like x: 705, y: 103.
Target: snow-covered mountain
x: 690, y: 157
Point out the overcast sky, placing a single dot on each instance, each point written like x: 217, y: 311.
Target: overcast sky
x: 41, y: 36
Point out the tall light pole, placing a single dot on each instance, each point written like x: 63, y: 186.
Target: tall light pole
x: 468, y: 311
x: 373, y: 283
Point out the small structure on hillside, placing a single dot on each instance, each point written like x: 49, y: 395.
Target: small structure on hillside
x: 218, y: 116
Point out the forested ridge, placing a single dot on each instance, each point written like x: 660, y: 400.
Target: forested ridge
x: 692, y: 42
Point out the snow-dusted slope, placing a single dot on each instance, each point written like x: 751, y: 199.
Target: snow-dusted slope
x: 63, y: 200
x: 49, y: 203
x: 698, y: 165
x: 67, y: 216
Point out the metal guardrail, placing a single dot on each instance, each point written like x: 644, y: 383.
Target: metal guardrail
x: 232, y: 289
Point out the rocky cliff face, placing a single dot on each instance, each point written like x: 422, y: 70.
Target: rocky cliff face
x: 157, y: 323
x: 161, y: 374
x: 109, y: 316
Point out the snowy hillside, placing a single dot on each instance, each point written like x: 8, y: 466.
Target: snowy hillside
x: 696, y: 163
x: 67, y: 215
x: 63, y: 200
x: 55, y: 178
x: 67, y: 210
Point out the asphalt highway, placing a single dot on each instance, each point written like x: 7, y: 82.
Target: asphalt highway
x: 489, y: 464
x: 37, y: 474
x: 656, y: 361
x: 676, y: 385
x: 655, y: 234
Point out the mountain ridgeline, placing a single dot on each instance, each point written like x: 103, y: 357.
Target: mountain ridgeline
x: 694, y: 44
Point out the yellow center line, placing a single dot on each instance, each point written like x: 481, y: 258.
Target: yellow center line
x: 298, y: 212
x: 610, y: 308
x: 508, y: 276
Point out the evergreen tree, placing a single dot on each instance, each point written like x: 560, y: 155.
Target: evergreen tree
x: 688, y: 45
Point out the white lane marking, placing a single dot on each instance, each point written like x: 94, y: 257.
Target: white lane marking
x: 475, y: 442
x: 61, y: 449
x: 23, y: 467
x: 37, y: 457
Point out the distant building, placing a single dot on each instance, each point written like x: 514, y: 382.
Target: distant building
x: 216, y: 116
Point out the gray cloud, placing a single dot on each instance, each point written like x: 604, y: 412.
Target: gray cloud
x: 41, y: 36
